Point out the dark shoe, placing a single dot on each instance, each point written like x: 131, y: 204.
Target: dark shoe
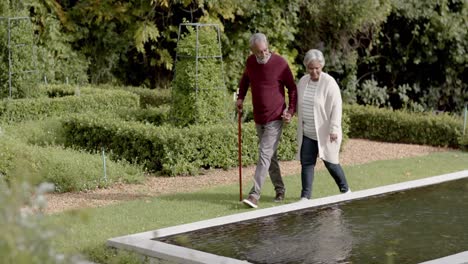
x: 251, y: 201
x: 279, y: 197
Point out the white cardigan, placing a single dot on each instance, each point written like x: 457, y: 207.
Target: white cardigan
x: 327, y: 115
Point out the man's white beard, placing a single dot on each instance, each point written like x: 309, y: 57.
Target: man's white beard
x: 264, y: 60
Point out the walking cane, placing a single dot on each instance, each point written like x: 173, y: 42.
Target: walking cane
x: 239, y: 141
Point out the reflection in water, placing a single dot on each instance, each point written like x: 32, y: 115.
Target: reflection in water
x: 318, y: 237
x: 406, y: 227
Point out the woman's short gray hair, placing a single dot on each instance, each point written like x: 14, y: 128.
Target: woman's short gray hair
x: 314, y: 54
x: 257, y: 37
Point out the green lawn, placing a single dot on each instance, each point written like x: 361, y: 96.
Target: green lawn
x: 86, y: 231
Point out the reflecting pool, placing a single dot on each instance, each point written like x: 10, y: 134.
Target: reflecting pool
x: 409, y: 226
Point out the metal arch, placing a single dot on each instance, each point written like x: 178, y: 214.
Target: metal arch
x: 197, y: 55
x: 11, y: 45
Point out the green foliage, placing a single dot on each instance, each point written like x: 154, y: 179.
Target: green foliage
x: 25, y: 238
x: 171, y: 150
x: 57, y: 62
x: 154, y: 115
x: 134, y: 42
x: 371, y: 94
x: 175, y: 151
x: 339, y: 29
x: 148, y: 97
x: 430, y: 53
x: 403, y: 127
x: 68, y: 170
x: 17, y: 54
x: 198, y: 91
x: 47, y: 132
x: 463, y: 141
x: 277, y: 19
x: 40, y: 108
x: 350, y: 92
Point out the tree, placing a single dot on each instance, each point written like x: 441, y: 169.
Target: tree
x: 345, y: 31
x: 423, y: 45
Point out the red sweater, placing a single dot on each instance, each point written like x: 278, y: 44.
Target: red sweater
x: 267, y: 82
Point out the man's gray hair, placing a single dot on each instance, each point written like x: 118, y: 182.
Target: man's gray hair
x: 314, y: 54
x: 257, y: 37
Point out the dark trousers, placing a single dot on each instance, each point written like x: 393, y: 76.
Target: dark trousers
x: 309, y: 153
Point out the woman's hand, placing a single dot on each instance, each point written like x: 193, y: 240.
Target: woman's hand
x: 333, y: 137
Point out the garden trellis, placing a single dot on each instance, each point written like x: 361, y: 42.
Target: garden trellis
x: 199, y: 94
x: 17, y: 49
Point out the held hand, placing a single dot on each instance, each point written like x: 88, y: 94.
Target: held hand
x: 286, y: 116
x: 239, y: 104
x: 333, y: 137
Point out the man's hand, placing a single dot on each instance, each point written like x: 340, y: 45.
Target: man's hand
x: 286, y: 116
x: 239, y: 104
x: 333, y: 137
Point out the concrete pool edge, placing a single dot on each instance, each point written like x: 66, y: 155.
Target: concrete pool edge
x: 143, y: 243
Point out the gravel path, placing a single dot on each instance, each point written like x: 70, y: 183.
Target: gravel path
x: 356, y: 151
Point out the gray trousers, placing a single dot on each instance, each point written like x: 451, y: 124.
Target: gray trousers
x: 269, y: 136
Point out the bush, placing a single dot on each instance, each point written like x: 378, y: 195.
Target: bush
x: 25, y: 237
x: 154, y: 115
x: 148, y: 98
x: 463, y: 141
x: 172, y: 150
x: 403, y: 127
x: 48, y: 132
x: 69, y: 170
x: 19, y: 54
x: 199, y: 94
x: 40, y: 108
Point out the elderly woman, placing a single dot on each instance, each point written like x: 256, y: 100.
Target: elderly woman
x: 319, y: 124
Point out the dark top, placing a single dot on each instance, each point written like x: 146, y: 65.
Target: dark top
x: 267, y: 82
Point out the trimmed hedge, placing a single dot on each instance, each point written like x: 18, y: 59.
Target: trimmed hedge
x: 40, y: 108
x: 171, y: 150
x: 403, y: 127
x: 154, y: 115
x: 148, y: 97
x: 47, y: 132
x: 69, y: 170
x: 464, y: 142
x: 199, y: 94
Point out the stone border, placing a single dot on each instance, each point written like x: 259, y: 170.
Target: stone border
x: 460, y: 258
x: 143, y: 243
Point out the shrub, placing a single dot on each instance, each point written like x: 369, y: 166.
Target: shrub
x: 148, y: 98
x: 25, y: 237
x: 463, y: 141
x: 372, y: 94
x: 154, y: 115
x: 172, y: 150
x: 40, y: 108
x: 403, y: 127
x: 48, y: 132
x: 69, y: 170
x: 19, y: 54
x: 199, y: 94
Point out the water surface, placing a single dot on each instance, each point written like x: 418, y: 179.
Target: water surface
x: 405, y: 227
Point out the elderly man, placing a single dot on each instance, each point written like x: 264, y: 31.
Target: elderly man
x: 267, y: 74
